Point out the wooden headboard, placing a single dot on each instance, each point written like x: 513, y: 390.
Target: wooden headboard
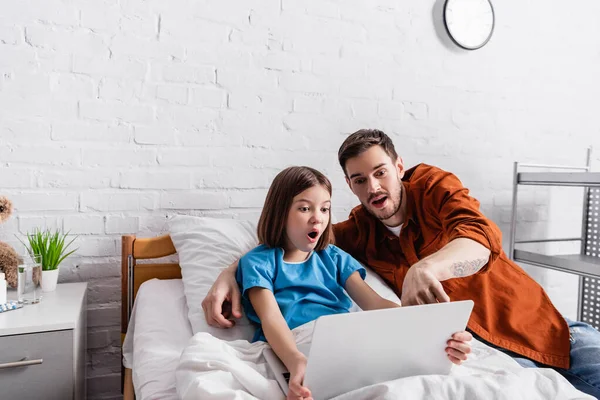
x: 133, y: 274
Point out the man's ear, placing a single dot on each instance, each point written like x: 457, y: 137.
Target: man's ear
x: 400, y: 167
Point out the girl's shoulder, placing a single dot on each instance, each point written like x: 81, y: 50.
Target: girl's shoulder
x: 332, y: 251
x: 335, y: 253
x: 260, y: 252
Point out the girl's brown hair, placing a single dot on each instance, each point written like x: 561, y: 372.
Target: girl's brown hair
x: 288, y: 184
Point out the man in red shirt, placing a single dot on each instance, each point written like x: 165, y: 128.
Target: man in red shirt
x: 425, y: 236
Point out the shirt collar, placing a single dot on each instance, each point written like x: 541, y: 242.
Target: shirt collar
x: 410, y: 205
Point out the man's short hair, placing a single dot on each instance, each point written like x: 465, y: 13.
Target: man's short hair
x: 361, y: 141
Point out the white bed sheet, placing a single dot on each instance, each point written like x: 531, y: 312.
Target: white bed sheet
x: 158, y: 332
x: 211, y: 368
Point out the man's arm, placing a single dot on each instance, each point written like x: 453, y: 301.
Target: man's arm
x: 473, y: 241
x: 458, y: 213
x: 223, y: 300
x: 459, y: 258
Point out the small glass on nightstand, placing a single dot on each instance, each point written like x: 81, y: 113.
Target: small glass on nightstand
x: 29, y: 289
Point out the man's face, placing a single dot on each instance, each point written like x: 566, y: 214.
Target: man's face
x: 376, y: 180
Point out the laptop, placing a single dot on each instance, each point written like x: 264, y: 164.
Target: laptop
x: 353, y: 350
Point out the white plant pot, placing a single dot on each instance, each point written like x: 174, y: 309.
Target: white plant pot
x: 49, y: 279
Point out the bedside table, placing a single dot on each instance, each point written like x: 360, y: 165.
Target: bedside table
x: 43, y: 346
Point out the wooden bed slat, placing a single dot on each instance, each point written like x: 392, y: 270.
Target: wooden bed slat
x: 145, y: 248
x: 145, y: 272
x: 141, y: 249
x: 126, y: 251
x: 128, y: 392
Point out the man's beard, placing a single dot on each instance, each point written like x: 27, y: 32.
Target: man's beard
x: 395, y: 205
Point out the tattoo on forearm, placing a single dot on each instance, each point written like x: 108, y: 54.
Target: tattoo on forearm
x: 466, y: 268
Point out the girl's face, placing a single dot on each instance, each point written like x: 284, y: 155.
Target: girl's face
x: 307, y: 219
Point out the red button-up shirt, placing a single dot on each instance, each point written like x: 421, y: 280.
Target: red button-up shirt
x: 511, y: 309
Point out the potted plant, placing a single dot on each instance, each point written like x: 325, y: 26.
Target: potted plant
x: 53, y: 249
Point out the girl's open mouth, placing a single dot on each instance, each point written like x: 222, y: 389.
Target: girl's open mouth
x: 312, y: 235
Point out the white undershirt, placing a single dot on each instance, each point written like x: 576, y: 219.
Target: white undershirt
x: 395, y: 229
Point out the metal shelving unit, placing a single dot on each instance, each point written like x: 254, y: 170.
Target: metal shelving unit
x: 586, y: 263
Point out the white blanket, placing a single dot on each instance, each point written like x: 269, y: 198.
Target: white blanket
x: 216, y: 369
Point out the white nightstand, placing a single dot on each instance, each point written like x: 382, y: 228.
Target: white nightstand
x: 47, y: 342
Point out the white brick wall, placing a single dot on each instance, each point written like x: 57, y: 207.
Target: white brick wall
x: 115, y: 114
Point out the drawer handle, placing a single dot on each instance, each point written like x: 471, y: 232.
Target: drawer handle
x: 24, y: 362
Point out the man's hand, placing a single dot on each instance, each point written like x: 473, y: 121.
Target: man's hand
x: 422, y: 287
x: 223, y: 301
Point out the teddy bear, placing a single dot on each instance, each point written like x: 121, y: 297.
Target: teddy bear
x: 9, y: 259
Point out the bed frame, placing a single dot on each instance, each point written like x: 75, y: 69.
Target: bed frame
x: 133, y: 274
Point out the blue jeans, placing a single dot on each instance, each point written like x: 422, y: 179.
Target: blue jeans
x: 584, y: 373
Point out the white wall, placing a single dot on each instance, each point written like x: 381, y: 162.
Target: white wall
x: 115, y: 114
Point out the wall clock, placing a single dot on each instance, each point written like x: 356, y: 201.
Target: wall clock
x: 469, y: 23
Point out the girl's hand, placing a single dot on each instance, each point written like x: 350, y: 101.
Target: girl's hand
x: 459, y: 346
x: 296, y: 389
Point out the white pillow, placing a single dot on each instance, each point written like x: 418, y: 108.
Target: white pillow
x: 208, y: 245
x: 205, y: 247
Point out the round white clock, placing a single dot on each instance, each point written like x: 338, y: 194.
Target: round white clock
x: 470, y: 23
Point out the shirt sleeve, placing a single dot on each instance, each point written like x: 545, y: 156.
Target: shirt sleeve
x: 459, y: 214
x: 346, y: 265
x: 255, y: 271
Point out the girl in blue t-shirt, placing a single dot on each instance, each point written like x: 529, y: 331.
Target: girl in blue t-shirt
x: 297, y: 275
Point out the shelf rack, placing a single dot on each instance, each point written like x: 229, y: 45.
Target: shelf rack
x: 586, y: 263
